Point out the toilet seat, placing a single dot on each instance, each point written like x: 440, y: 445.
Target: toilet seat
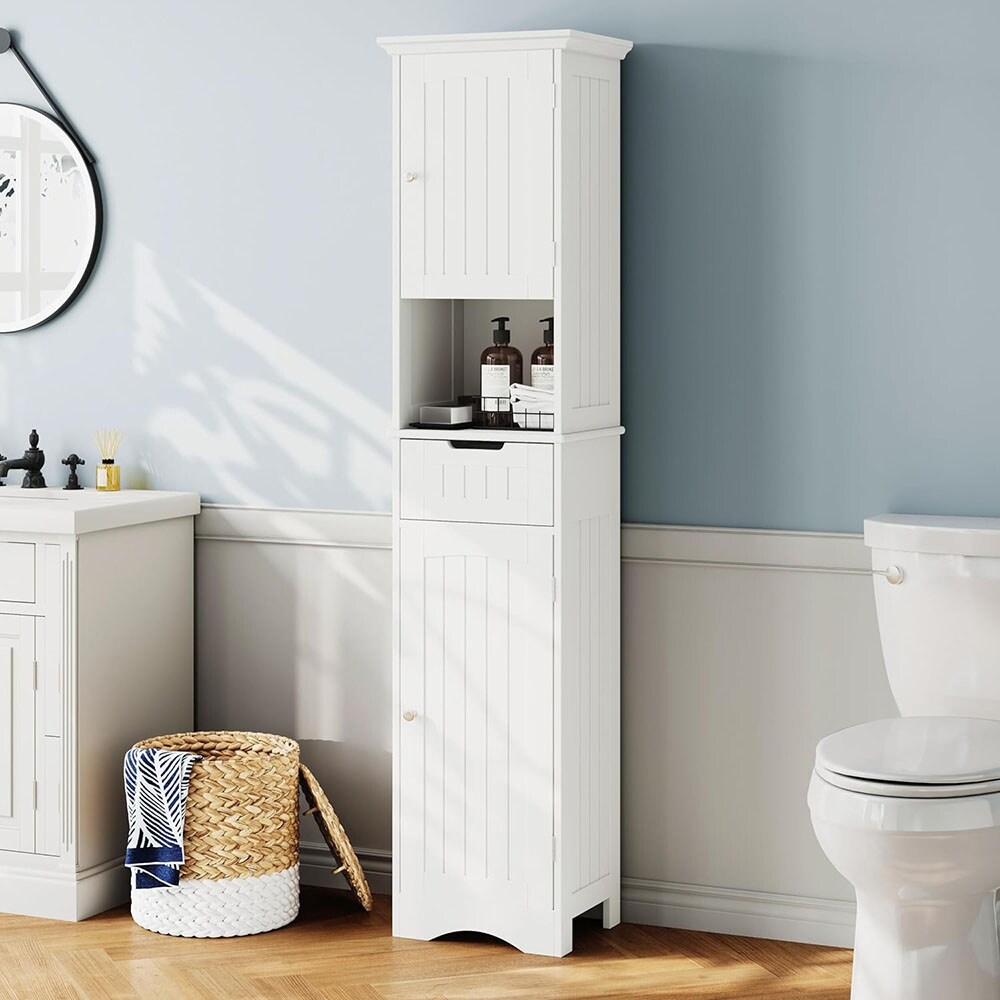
x: 914, y: 757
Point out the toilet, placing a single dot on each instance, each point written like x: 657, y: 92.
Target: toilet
x: 908, y: 809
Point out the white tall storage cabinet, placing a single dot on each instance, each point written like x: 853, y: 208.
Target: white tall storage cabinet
x: 506, y: 153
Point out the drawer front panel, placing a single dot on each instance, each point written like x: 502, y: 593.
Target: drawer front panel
x: 17, y: 572
x: 508, y: 485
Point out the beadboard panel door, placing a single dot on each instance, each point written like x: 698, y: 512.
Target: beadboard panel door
x: 476, y: 182
x: 17, y: 812
x: 474, y: 730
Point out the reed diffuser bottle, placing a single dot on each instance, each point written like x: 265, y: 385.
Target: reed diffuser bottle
x: 109, y: 475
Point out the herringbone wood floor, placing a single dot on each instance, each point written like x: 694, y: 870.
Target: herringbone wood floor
x: 335, y: 951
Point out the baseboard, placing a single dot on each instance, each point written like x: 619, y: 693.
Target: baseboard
x: 660, y: 904
x: 316, y: 866
x: 40, y: 888
x: 738, y: 911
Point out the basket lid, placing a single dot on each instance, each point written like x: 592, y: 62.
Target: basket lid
x: 335, y: 836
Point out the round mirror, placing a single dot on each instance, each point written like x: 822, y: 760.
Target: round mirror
x: 50, y: 218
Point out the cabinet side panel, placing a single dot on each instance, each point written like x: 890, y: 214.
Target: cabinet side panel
x: 589, y: 616
x: 588, y: 219
x: 135, y: 648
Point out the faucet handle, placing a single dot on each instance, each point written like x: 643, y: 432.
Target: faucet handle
x: 33, y: 438
x: 73, y: 460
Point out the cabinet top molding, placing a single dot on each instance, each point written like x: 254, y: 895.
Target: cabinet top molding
x: 562, y: 38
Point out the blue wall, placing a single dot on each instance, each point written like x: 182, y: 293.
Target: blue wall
x: 811, y: 229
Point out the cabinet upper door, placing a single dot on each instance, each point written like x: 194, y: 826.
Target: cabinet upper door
x: 476, y: 175
x: 475, y: 721
x: 17, y: 732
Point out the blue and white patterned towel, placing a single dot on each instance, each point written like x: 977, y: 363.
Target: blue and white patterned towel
x: 156, y: 790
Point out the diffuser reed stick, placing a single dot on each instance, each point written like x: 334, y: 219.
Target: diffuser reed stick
x: 108, y: 442
x: 108, y: 474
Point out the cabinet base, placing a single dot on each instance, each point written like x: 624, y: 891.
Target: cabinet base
x: 534, y: 935
x: 61, y: 895
x: 549, y: 934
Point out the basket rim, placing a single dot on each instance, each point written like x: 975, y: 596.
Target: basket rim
x: 231, y: 741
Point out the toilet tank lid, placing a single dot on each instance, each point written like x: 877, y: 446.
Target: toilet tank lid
x: 960, y: 536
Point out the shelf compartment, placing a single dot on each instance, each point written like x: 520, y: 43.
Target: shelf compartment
x: 440, y: 345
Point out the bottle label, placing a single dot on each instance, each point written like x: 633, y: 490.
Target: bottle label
x: 495, y: 388
x: 102, y: 476
x: 543, y: 377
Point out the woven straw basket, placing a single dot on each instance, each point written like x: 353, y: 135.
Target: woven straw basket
x: 241, y: 839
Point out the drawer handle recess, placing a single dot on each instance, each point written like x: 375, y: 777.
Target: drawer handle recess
x: 478, y: 445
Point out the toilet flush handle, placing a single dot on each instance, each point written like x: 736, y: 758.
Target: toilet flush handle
x: 893, y: 574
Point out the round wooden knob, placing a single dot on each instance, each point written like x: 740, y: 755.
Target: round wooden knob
x: 409, y: 716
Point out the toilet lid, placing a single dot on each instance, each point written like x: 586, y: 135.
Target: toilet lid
x: 917, y: 750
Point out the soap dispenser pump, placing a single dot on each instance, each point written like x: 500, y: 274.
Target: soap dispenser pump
x: 543, y: 360
x: 500, y: 365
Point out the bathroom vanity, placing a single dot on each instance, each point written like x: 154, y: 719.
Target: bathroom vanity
x: 506, y: 814
x: 96, y: 652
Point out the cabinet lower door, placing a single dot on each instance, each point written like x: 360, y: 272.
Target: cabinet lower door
x: 474, y: 793
x: 17, y: 733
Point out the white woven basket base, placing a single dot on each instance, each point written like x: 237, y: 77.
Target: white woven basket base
x: 228, y: 907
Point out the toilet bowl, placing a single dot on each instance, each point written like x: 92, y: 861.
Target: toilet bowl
x: 908, y: 809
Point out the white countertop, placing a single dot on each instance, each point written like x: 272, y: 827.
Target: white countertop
x: 75, y: 512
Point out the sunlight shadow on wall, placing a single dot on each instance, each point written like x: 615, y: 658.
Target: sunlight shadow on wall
x: 257, y: 420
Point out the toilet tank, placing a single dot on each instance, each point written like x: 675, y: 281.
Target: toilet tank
x: 940, y: 622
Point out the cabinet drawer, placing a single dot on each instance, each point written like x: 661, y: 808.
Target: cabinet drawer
x: 17, y: 572
x: 440, y: 481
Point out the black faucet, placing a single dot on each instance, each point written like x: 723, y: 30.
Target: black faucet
x: 34, y: 459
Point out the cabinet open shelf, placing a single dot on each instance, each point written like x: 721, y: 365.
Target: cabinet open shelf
x: 440, y: 345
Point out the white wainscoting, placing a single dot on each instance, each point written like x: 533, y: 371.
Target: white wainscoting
x: 740, y: 650
x: 293, y: 636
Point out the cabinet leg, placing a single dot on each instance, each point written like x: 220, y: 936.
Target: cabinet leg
x: 564, y: 942
x: 611, y: 910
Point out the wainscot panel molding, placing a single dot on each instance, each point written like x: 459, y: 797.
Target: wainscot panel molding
x: 738, y: 911
x: 741, y: 649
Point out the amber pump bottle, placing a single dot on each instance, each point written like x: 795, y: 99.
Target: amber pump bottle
x: 543, y: 359
x: 500, y: 365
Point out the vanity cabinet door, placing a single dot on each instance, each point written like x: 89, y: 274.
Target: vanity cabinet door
x: 17, y: 731
x: 475, y: 728
x: 476, y: 133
